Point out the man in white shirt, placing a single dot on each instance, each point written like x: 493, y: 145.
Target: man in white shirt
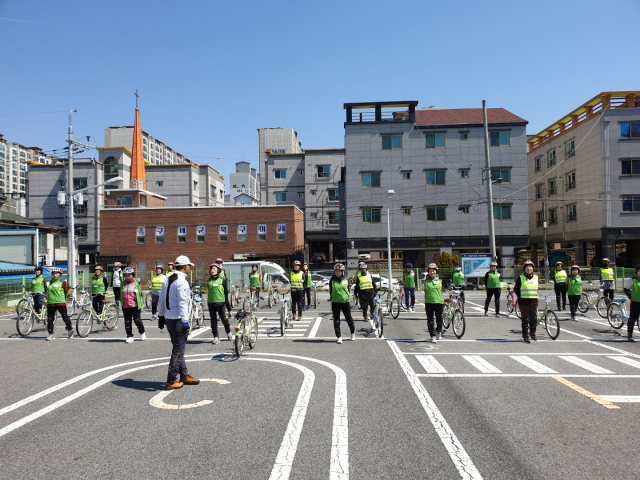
x: 174, y: 308
x: 116, y: 281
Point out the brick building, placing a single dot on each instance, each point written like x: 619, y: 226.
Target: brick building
x: 144, y: 237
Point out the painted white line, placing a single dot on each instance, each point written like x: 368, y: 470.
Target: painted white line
x: 315, y: 328
x: 263, y: 335
x: 594, y: 341
x: 511, y: 353
x: 493, y: 340
x: 430, y: 364
x: 524, y: 375
x: 623, y: 359
x: 584, y: 364
x: 622, y: 398
x: 458, y: 454
x: 288, y: 329
x: 532, y: 364
x: 481, y: 364
x: 197, y: 332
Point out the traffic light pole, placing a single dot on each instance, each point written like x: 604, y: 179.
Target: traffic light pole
x: 71, y: 244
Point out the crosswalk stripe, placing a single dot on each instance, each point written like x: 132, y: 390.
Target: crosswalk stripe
x: 532, y: 364
x: 430, y: 364
x: 622, y: 398
x: 627, y: 360
x: 481, y: 364
x: 584, y: 364
x: 278, y: 335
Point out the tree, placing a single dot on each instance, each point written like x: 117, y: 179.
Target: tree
x: 456, y: 260
x: 445, y: 261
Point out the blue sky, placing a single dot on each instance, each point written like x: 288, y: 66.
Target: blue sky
x: 211, y: 73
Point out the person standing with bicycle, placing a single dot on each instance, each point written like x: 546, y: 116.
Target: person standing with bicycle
x: 308, y: 283
x: 116, y: 281
x: 526, y: 288
x: 171, y: 269
x: 367, y: 288
x: 217, y: 299
x: 131, y: 301
x: 457, y: 278
x: 157, y: 281
x: 174, y: 307
x: 574, y: 291
x: 339, y: 297
x: 632, y: 290
x: 433, y: 302
x: 99, y: 285
x: 255, y: 283
x: 492, y: 283
x: 409, y: 282
x: 297, y: 290
x: 607, y: 278
x: 57, y: 302
x: 560, y: 285
x: 38, y: 289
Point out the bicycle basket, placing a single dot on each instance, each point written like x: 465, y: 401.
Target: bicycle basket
x: 284, y: 290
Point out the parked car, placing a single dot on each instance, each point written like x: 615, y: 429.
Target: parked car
x: 320, y: 280
x: 383, y: 282
x: 364, y: 256
x: 324, y: 273
x: 318, y: 257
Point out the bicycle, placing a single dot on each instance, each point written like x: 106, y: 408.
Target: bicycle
x: 108, y: 318
x: 314, y: 295
x: 236, y: 295
x: 22, y: 304
x: 272, y: 297
x: 453, y: 314
x: 246, y: 331
x: 397, y: 303
x: 73, y: 303
x: 591, y: 298
x: 285, y: 312
x: 25, y: 320
x: 377, y: 317
x: 550, y: 319
x: 617, y: 313
x: 251, y: 301
x: 148, y: 298
x: 197, y: 309
x: 512, y: 301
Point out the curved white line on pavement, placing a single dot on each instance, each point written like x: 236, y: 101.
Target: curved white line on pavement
x: 461, y: 459
x: 286, y: 454
x: 339, y: 467
x: 158, y: 400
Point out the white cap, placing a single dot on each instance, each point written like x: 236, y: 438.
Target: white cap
x: 183, y: 260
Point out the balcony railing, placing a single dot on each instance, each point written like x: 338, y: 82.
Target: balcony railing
x: 333, y: 222
x: 553, y: 190
x: 553, y: 221
x: 570, y: 185
x: 538, y: 195
x: 572, y: 217
x: 539, y: 223
x: 538, y: 167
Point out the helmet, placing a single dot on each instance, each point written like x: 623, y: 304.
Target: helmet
x: 493, y: 264
x: 97, y: 267
x: 183, y: 260
x: 575, y: 267
x: 432, y: 266
x: 39, y: 267
x: 339, y: 266
x: 128, y: 271
x: 161, y: 267
x: 558, y: 263
x: 56, y: 270
x: 363, y: 266
x: 170, y: 263
x: 409, y: 265
x: 637, y: 267
x: 296, y: 262
x: 117, y: 264
x: 606, y: 260
x: 218, y: 260
x: 528, y: 262
x: 214, y: 265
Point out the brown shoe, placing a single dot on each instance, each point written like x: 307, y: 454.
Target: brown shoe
x: 189, y: 380
x: 172, y: 386
x: 533, y: 337
x: 526, y: 340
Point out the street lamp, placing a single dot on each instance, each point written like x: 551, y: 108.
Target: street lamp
x: 390, y: 194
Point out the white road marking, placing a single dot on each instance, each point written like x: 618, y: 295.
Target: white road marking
x: 430, y: 364
x: 277, y: 335
x: 158, y: 400
x: 532, y: 364
x: 584, y: 364
x: 512, y: 353
x: 623, y: 359
x: 459, y: 456
x: 481, y: 364
x: 594, y: 341
x: 621, y: 398
x: 315, y: 328
x: 485, y: 375
x: 197, y: 332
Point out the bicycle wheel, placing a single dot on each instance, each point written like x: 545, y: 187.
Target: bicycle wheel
x: 147, y: 300
x: 459, y: 323
x: 21, y: 306
x: 314, y: 298
x: 517, y: 310
x: 375, y: 320
x: 510, y: 305
x: 239, y: 342
x: 288, y: 315
x: 111, y: 317
x: 276, y: 298
x: 593, y: 296
x: 583, y: 304
x: 84, y: 323
x: 354, y: 301
x: 283, y: 321
x: 24, y: 323
x: 395, y: 308
x: 200, y: 315
x: 380, y: 323
x: 551, y: 324
x: 71, y: 305
x: 270, y: 300
x: 253, y: 336
x: 602, y: 305
x: 446, y: 318
x: 614, y: 315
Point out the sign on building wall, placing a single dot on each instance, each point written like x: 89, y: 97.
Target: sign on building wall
x: 182, y: 230
x: 282, y: 228
x: 476, y: 264
x: 224, y: 229
x: 262, y: 229
x: 200, y: 230
x: 242, y: 229
x: 141, y: 231
x: 159, y: 231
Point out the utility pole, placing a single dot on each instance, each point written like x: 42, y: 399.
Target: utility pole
x: 545, y: 253
x: 71, y: 247
x: 492, y: 235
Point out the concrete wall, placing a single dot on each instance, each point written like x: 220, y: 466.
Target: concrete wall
x: 293, y: 185
x: 319, y: 204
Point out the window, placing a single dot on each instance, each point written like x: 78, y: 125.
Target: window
x: 570, y: 149
x: 436, y: 177
x: 159, y: 234
x: 630, y: 167
x: 300, y: 172
x: 324, y: 171
x: 124, y: 201
x: 551, y: 158
x: 242, y: 233
x: 502, y: 212
x: 406, y: 211
x: 370, y: 180
x: 281, y: 196
x: 110, y: 171
x: 501, y: 175
x: 538, y: 191
x: 334, y: 218
x: 463, y: 209
x: 553, y: 187
x: 141, y: 235
x: 572, y: 213
x: 436, y: 214
x: 631, y: 203
x: 313, y: 216
x: 392, y: 142
x: 300, y: 195
x: 212, y: 191
x: 280, y: 173
x: 262, y: 232
x: 570, y: 181
x: 499, y: 139
x: 223, y: 233
x: 80, y: 209
x: 281, y: 232
x: 143, y: 201
x: 406, y: 175
x: 538, y: 164
x: 435, y: 140
x: 370, y: 215
x: 630, y: 130
x: 182, y: 234
x: 553, y: 216
x: 82, y: 231
x: 464, y: 136
x: 78, y: 183
x: 539, y: 219
x: 464, y: 173
x: 195, y: 186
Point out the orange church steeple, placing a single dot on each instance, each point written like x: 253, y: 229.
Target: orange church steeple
x: 138, y: 177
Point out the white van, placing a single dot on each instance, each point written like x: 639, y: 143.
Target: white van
x: 238, y: 273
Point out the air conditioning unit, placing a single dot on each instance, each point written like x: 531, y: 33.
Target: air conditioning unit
x: 47, y: 260
x: 62, y: 199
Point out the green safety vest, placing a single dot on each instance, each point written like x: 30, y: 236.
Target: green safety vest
x: 433, y: 290
x: 296, y: 280
x: 560, y: 276
x: 136, y: 291
x: 37, y: 285
x: 56, y: 293
x: 97, y: 285
x: 528, y: 288
x: 254, y: 280
x: 606, y: 274
x: 575, y: 285
x: 157, y: 281
x: 409, y: 279
x: 222, y: 274
x: 458, y: 278
x: 635, y: 290
x: 366, y: 282
x: 309, y: 280
x: 494, y: 280
x: 216, y: 290
x: 340, y: 290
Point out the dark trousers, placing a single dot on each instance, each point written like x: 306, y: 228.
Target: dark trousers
x: 574, y: 300
x: 434, y: 309
x: 561, y: 290
x: 495, y: 293
x: 177, y: 364
x: 154, y: 303
x: 132, y: 313
x: 51, y: 316
x: 529, y: 318
x: 97, y: 302
x: 409, y: 295
x: 297, y: 300
x: 218, y: 310
x: 366, y: 300
x: 345, y: 308
x: 608, y: 293
x: 116, y: 293
x: 37, y: 301
x: 307, y: 292
x: 634, y: 313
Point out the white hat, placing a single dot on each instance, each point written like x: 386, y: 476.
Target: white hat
x: 183, y: 260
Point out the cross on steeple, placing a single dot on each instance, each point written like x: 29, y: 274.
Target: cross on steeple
x: 137, y: 104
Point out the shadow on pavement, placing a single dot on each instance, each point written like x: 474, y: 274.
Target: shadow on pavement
x: 139, y: 385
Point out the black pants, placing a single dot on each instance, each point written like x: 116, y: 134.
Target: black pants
x: 177, y: 364
x: 51, y: 316
x: 297, y: 300
x: 529, y: 318
x: 634, y: 313
x: 366, y: 300
x: 37, y: 301
x: 218, y: 310
x: 345, y: 308
x: 307, y: 292
x: 116, y: 293
x: 434, y: 309
x: 561, y: 290
x: 154, y: 303
x: 608, y: 293
x: 574, y: 300
x: 495, y: 293
x: 132, y: 313
x: 97, y: 302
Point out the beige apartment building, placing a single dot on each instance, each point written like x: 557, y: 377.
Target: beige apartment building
x: 584, y: 183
